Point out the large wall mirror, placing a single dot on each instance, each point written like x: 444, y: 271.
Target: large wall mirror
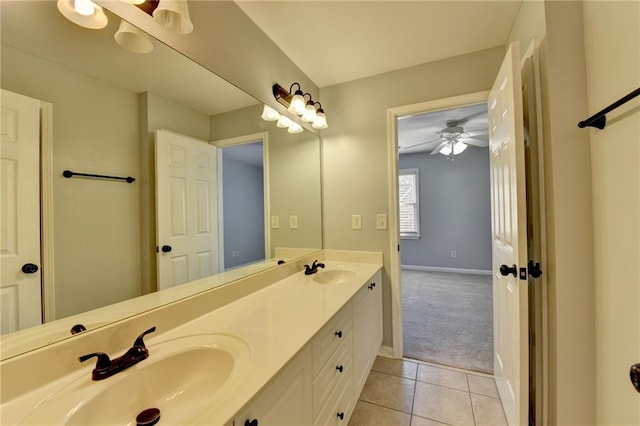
x: 106, y: 106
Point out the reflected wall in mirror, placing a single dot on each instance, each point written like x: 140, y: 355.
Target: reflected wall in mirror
x: 106, y: 104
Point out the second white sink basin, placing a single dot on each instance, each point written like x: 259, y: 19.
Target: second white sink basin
x: 182, y: 377
x: 334, y: 276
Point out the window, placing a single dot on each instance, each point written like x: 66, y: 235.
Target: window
x: 409, y: 205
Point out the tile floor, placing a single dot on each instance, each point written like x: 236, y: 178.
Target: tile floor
x: 407, y: 393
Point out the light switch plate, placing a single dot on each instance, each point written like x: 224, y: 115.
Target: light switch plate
x: 356, y: 221
x: 275, y: 222
x: 381, y: 221
x: 293, y: 222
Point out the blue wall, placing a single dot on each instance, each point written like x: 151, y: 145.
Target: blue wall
x: 455, y: 211
x: 243, y: 210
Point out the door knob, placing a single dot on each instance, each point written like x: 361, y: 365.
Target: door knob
x: 29, y: 268
x: 166, y: 249
x: 506, y: 270
x: 634, y: 375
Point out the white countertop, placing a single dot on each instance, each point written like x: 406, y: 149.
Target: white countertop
x: 274, y: 323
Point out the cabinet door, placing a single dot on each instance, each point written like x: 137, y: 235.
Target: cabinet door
x: 284, y: 401
x: 367, y: 329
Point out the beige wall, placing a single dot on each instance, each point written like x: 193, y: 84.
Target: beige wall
x: 355, y: 146
x: 612, y: 45
x: 96, y: 222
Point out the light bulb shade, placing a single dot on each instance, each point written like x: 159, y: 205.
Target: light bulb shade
x: 446, y: 150
x: 269, y: 114
x: 283, y: 121
x: 84, y: 13
x: 321, y: 120
x: 133, y: 39
x: 309, y: 114
x: 459, y: 147
x: 174, y: 16
x: 294, y: 128
x: 297, y: 103
x: 134, y: 1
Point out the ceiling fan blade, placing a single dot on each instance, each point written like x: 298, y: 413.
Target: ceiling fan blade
x: 439, y: 147
x: 421, y: 143
x: 479, y: 141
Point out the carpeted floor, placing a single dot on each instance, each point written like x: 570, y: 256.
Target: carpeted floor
x: 448, y: 319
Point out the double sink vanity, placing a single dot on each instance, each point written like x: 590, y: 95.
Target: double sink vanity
x: 277, y: 347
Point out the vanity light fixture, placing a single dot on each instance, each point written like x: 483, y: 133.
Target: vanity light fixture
x: 283, y: 121
x: 84, y: 13
x: 174, y: 16
x: 133, y: 39
x: 294, y: 128
x: 269, y: 114
x: 296, y: 104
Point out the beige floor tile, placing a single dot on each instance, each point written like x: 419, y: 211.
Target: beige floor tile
x: 396, y: 367
x: 443, y: 377
x: 443, y: 404
x: 389, y: 391
x: 482, y: 385
x: 488, y: 411
x: 371, y: 414
x: 420, y: 421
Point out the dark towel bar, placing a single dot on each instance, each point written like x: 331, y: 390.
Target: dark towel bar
x: 599, y: 120
x: 69, y: 174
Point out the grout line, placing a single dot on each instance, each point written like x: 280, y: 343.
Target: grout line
x: 383, y: 406
x: 473, y: 411
x: 433, y: 420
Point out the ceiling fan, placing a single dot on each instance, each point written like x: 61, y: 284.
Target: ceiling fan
x: 454, y: 140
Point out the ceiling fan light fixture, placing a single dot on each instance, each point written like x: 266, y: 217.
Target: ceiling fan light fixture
x: 459, y: 147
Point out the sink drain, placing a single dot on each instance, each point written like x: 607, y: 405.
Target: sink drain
x: 148, y: 417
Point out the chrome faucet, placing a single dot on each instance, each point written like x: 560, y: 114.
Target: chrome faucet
x: 106, y: 367
x: 308, y: 270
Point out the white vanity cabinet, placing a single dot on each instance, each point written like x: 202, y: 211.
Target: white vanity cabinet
x: 286, y: 400
x: 322, y: 383
x: 367, y: 329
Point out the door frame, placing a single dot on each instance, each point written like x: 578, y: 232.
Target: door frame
x: 47, y: 276
x: 392, y: 179
x: 242, y: 140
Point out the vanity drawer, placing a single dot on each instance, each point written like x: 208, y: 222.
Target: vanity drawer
x: 340, y: 404
x: 329, y: 337
x: 333, y: 371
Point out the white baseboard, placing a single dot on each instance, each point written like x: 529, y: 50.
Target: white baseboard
x: 438, y: 269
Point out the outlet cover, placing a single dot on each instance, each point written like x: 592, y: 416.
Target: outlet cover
x: 454, y: 253
x: 275, y: 222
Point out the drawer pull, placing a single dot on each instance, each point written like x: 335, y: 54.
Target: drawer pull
x: 341, y: 416
x: 339, y: 334
x: 253, y: 422
x: 340, y: 368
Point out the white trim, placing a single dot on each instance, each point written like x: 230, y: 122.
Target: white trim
x: 386, y: 351
x: 241, y: 140
x: 441, y: 269
x: 416, y: 172
x: 392, y: 179
x: 46, y: 212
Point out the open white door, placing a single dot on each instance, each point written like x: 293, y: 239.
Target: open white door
x: 186, y: 209
x: 20, y: 291
x: 509, y: 239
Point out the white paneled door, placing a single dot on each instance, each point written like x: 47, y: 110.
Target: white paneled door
x: 186, y: 209
x: 509, y: 239
x: 20, y: 292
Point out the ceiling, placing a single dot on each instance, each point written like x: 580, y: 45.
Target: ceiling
x: 334, y: 42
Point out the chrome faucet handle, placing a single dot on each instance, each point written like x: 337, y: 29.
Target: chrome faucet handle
x: 139, y: 340
x: 103, y: 363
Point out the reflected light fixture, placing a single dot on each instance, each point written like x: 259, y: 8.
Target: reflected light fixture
x: 283, y: 121
x: 294, y: 128
x: 133, y: 39
x: 295, y: 103
x: 85, y: 13
x: 269, y: 114
x: 174, y: 16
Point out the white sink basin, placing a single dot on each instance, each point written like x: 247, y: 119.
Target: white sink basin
x: 334, y: 276
x: 182, y: 377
